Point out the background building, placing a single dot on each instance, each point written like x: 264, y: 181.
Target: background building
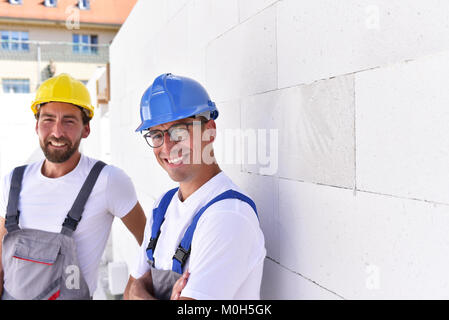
x: 41, y: 38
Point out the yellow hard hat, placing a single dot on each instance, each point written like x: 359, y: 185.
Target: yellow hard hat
x: 63, y: 88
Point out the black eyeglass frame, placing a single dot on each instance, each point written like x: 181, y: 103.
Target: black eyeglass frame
x: 148, y: 138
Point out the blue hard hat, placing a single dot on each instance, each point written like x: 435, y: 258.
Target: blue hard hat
x: 171, y: 98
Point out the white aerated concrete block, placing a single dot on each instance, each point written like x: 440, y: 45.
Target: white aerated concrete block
x: 264, y: 191
x: 364, y: 245
x: 243, y: 60
x: 315, y: 125
x: 209, y: 19
x: 228, y: 123
x: 248, y: 8
x: 402, y: 129
x: 169, y: 47
x: 280, y: 283
x: 174, y: 6
x: 356, y: 205
x: 325, y: 38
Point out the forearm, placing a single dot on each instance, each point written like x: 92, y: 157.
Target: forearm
x: 2, y: 234
x: 135, y: 221
x: 128, y: 288
x: 140, y: 289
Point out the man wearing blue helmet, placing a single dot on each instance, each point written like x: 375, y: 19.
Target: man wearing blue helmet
x: 206, y: 229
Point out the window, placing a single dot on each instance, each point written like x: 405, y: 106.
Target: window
x: 85, y: 44
x: 14, y: 40
x: 51, y: 3
x: 16, y: 85
x: 84, y: 4
x: 94, y: 42
x: 15, y: 1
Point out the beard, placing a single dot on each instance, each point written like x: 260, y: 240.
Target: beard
x: 62, y: 155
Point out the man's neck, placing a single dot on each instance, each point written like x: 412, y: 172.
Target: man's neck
x: 186, y: 189
x: 56, y: 170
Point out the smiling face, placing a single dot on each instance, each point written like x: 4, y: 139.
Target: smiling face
x: 183, y: 160
x: 60, y: 129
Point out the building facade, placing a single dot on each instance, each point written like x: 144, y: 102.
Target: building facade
x: 42, y: 38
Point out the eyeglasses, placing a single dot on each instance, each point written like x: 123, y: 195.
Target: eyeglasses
x: 177, y: 132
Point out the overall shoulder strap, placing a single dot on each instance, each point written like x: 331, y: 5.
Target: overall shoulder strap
x: 75, y: 213
x: 158, y: 219
x: 12, y: 210
x: 183, y: 251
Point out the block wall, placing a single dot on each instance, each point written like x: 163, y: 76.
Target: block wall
x: 346, y: 105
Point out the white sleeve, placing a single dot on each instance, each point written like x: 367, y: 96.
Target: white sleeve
x: 221, y: 250
x: 141, y: 266
x: 121, y: 196
x: 5, y: 183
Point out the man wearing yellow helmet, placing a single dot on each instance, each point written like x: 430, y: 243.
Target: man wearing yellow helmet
x: 56, y: 214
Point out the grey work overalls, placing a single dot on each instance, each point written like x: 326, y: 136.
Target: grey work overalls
x: 41, y: 265
x: 164, y: 280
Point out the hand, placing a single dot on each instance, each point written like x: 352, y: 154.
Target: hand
x: 142, y: 288
x: 179, y: 286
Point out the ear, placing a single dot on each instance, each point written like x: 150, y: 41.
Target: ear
x: 210, y: 131
x: 86, y: 130
x: 211, y: 124
x: 37, y: 127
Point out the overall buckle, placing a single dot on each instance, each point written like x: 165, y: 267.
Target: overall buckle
x: 71, y: 223
x: 182, y: 255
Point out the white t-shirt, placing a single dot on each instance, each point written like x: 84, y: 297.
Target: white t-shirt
x: 44, y: 204
x: 228, y: 248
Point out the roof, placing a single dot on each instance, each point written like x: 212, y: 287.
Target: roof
x: 108, y: 12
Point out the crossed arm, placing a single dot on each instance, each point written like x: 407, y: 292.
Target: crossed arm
x: 142, y: 288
